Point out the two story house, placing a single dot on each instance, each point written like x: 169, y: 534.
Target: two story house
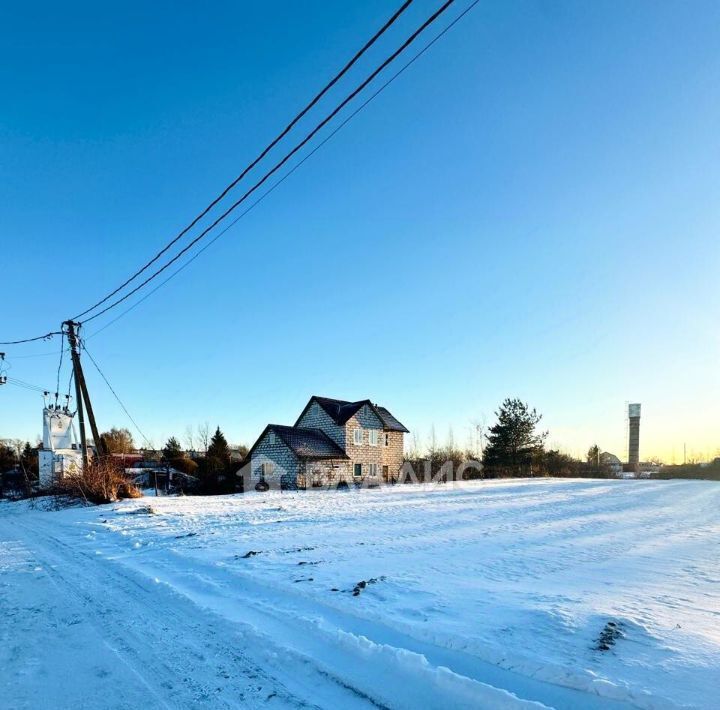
x: 333, y: 441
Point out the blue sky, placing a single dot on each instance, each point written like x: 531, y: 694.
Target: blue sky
x: 530, y: 210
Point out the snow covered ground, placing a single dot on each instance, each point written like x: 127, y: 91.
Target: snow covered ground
x: 494, y: 594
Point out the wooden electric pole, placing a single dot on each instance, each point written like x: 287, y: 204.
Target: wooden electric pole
x: 81, y: 393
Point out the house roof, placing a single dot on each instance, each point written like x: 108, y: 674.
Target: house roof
x: 340, y: 411
x: 388, y: 420
x: 304, y: 442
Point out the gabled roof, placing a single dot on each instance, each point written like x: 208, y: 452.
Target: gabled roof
x: 304, y: 443
x: 389, y: 421
x: 340, y: 411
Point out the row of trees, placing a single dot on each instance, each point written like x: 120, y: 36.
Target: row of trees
x: 18, y: 455
x: 515, y: 447
x: 120, y: 440
x: 210, y: 472
x: 19, y: 468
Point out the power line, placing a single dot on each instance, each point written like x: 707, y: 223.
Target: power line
x: 287, y: 157
x: 47, y: 336
x: 26, y: 385
x: 97, y: 367
x: 34, y: 355
x: 264, y: 152
x: 334, y: 132
x: 292, y: 170
x: 70, y: 381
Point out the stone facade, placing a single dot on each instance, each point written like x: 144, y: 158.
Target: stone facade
x: 271, y: 453
x: 324, y: 474
x: 374, y: 450
x: 315, y: 417
x: 369, y: 457
x: 393, y: 447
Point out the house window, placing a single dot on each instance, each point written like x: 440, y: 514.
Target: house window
x: 357, y: 470
x: 373, y: 437
x: 357, y: 437
x: 271, y: 438
x: 267, y: 469
x: 373, y: 469
x: 387, y: 439
x: 314, y: 409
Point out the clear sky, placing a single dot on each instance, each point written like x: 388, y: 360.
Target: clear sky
x: 531, y: 210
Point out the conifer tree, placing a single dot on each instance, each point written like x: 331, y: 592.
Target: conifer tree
x: 219, y: 448
x: 172, y: 449
x: 513, y: 441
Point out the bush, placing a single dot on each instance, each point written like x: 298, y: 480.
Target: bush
x: 184, y: 465
x: 102, y: 481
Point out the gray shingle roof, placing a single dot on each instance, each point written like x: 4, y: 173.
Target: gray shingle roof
x: 341, y: 410
x: 389, y: 421
x: 308, y: 443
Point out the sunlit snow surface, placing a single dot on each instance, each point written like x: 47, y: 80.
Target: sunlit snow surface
x: 493, y: 594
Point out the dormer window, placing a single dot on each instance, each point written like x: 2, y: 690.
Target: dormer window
x: 357, y: 437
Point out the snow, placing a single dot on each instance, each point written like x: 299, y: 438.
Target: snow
x: 483, y: 594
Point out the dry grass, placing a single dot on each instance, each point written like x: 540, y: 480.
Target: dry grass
x: 101, y: 482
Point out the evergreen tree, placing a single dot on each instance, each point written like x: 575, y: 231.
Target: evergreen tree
x: 172, y: 449
x: 219, y: 448
x: 513, y: 441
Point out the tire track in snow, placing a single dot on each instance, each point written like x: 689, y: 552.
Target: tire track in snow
x: 144, y: 627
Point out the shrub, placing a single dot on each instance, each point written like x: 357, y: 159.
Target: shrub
x: 184, y: 465
x: 102, y: 481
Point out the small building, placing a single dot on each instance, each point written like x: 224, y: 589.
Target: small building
x: 612, y: 463
x: 61, y: 453
x: 332, y: 442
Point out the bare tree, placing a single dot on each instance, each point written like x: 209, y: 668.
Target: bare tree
x: 204, y: 436
x: 450, y: 440
x: 478, y: 434
x: 189, y: 438
x: 416, y: 445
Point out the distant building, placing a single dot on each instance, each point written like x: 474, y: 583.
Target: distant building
x: 611, y: 462
x: 333, y: 441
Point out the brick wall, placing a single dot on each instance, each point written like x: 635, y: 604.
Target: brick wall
x: 272, y: 449
x: 315, y: 417
x: 365, y: 420
x: 325, y: 474
x: 393, y: 453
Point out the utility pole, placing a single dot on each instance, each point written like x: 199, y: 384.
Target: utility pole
x: 81, y: 393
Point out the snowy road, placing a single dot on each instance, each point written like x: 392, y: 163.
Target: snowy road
x: 489, y: 596
x: 83, y: 629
